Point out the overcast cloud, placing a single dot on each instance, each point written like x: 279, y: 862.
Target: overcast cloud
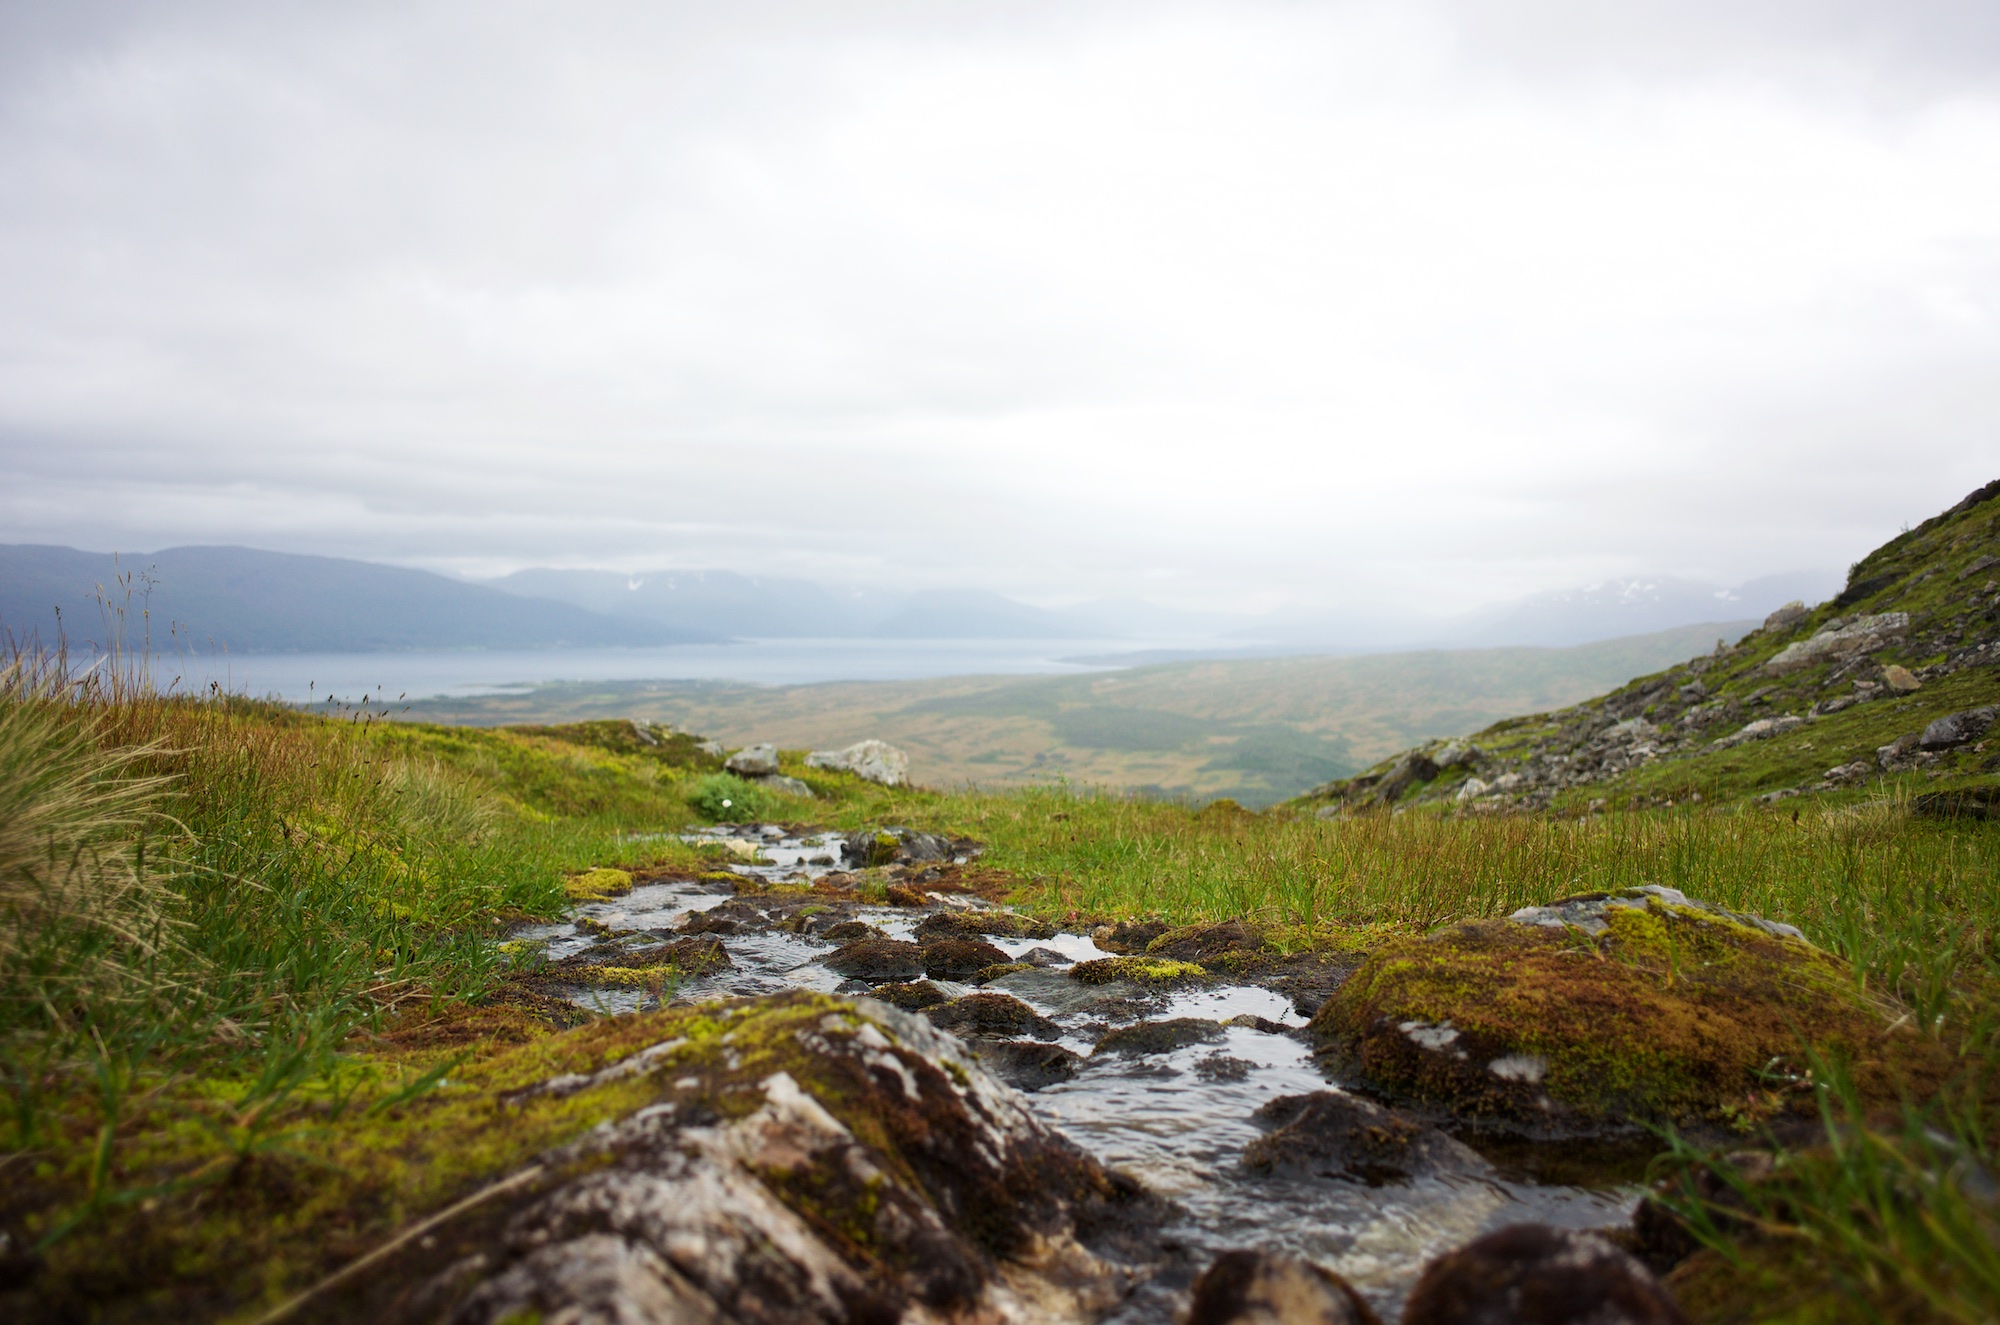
x: 1225, y: 305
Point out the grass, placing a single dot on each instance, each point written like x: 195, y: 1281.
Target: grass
x: 242, y: 942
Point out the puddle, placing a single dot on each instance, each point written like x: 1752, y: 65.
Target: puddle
x: 1178, y: 1128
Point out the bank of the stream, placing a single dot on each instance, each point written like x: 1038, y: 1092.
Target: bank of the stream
x: 302, y: 1019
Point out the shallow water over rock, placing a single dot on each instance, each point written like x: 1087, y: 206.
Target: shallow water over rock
x: 1175, y: 1110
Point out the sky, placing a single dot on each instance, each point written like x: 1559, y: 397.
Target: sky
x: 1229, y: 306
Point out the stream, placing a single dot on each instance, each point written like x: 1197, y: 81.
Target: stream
x: 1177, y: 1121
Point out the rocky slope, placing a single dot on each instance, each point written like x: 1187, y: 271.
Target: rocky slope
x: 1896, y: 678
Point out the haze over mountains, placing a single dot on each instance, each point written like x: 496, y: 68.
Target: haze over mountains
x: 247, y: 600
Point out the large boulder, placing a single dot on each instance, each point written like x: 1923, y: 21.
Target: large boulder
x: 1611, y: 1012
x: 871, y: 760
x: 754, y: 761
x: 1957, y: 728
x: 799, y: 1159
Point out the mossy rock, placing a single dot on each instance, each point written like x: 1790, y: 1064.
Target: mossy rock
x: 1672, y: 1015
x: 1159, y: 1037
x: 1138, y: 970
x: 960, y: 959
x: 1000, y: 1015
x: 978, y: 924
x: 757, y: 1155
x: 598, y: 885
x: 1207, y: 943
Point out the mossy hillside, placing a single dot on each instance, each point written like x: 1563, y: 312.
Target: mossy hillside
x: 1936, y: 573
x: 1673, y: 1016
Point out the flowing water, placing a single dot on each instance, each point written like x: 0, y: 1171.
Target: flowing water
x: 1177, y: 1121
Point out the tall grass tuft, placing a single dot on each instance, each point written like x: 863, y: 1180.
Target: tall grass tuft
x: 79, y: 912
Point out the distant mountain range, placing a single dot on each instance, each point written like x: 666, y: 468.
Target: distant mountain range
x: 252, y: 601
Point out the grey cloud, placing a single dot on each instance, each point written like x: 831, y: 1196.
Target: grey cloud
x: 1048, y: 298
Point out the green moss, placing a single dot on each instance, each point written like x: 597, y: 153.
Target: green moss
x: 1139, y: 970
x: 1673, y: 1015
x: 598, y: 885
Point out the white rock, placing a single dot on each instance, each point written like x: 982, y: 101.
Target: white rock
x: 872, y: 760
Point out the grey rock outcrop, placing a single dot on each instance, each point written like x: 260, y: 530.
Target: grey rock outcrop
x: 1840, y: 639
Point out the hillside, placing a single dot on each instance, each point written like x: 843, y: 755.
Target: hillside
x: 1257, y: 730
x: 1893, y: 680
x: 251, y: 601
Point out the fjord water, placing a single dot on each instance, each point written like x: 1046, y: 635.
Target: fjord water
x: 348, y: 677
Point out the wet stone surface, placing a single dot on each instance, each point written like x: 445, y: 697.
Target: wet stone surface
x: 1169, y: 1078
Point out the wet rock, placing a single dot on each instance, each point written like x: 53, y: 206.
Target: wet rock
x: 1223, y: 946
x: 912, y: 996
x: 1137, y: 970
x: 1270, y: 1288
x: 1673, y: 1012
x: 1251, y: 1022
x: 882, y: 1174
x: 1328, y: 1134
x: 1222, y: 1067
x: 890, y: 846
x: 713, y: 922
x: 999, y: 1015
x: 981, y: 923
x: 871, y: 760
x: 1046, y: 957
x: 1127, y: 939
x: 620, y: 964
x: 1026, y: 1064
x: 754, y: 761
x: 1159, y: 1037
x: 1957, y: 728
x: 878, y: 961
x: 1531, y: 1274
x: 959, y: 959
x: 1065, y: 997
x: 847, y: 931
